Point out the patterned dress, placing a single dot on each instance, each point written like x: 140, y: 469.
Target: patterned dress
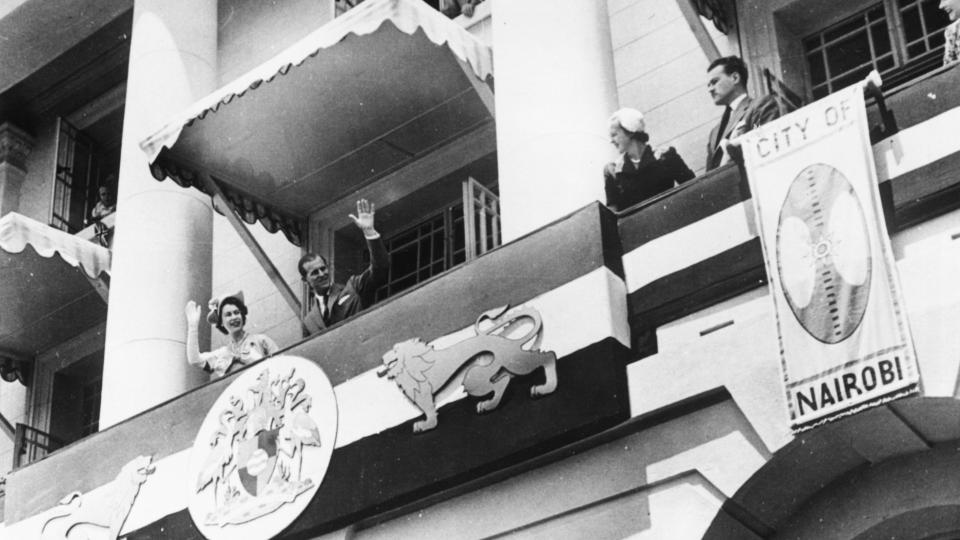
x: 951, y: 49
x: 228, y: 358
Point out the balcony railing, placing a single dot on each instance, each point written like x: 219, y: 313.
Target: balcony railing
x: 30, y: 444
x: 100, y: 231
x: 778, y: 88
x: 922, y: 98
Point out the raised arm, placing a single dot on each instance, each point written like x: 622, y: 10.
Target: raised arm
x: 376, y: 274
x: 192, y: 312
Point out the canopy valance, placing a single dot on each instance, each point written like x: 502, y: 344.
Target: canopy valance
x: 360, y: 97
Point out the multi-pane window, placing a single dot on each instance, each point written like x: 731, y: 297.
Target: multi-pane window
x: 484, y: 227
x: 439, y: 242
x: 424, y: 250
x: 896, y: 37
x: 923, y: 23
x: 80, y: 173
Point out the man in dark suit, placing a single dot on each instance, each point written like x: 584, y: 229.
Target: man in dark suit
x: 727, y: 83
x: 329, y: 302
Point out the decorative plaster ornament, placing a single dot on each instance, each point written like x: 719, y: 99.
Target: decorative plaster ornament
x: 262, y: 450
x: 101, y: 513
x: 494, y: 358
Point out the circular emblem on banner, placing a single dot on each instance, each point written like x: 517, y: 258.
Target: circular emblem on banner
x: 262, y: 450
x: 823, y: 253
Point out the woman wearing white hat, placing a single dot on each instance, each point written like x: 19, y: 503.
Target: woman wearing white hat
x: 639, y: 173
x: 229, y: 315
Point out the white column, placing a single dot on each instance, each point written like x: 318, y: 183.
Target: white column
x: 555, y: 90
x: 162, y: 244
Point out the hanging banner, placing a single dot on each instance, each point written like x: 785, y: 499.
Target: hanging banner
x: 844, y: 340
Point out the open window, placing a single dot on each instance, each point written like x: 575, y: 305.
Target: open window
x: 84, y: 165
x: 75, y: 399
x: 427, y: 232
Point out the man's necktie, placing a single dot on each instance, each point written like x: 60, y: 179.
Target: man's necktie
x: 723, y: 126
x: 323, y: 307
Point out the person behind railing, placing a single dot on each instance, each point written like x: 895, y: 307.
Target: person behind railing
x: 329, y: 302
x: 229, y: 315
x: 639, y: 173
x: 951, y: 34
x: 727, y: 84
x: 106, y: 205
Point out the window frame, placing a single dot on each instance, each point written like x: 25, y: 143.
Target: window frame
x: 904, y: 67
x: 463, y: 239
x: 73, y: 199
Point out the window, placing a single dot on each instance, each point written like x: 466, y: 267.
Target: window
x: 923, y: 24
x: 899, y: 38
x: 424, y: 250
x: 80, y: 173
x: 439, y: 242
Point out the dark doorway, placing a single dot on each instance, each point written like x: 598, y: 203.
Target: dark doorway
x: 75, y: 407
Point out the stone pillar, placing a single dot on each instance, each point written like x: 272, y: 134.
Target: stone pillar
x: 556, y: 89
x: 163, y: 239
x: 15, y: 146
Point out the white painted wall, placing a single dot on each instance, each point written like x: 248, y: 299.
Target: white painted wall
x: 661, y: 70
x: 664, y: 482
x: 13, y: 406
x: 234, y: 268
x: 251, y: 32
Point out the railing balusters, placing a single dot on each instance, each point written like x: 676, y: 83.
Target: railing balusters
x: 31, y: 444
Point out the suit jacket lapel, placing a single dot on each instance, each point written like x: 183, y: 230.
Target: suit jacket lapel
x: 735, y: 117
x: 314, y: 320
x: 712, y: 145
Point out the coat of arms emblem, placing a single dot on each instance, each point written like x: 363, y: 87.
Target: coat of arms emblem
x: 263, y: 450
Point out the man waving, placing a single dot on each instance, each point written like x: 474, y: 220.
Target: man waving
x: 329, y: 302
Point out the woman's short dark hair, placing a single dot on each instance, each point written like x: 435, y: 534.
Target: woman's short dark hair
x: 230, y: 300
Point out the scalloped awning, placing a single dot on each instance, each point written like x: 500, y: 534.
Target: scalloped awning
x: 45, y: 292
x: 362, y: 96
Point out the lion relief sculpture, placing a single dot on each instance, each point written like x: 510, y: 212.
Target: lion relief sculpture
x: 99, y: 515
x: 487, y: 362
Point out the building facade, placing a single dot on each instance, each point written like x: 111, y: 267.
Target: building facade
x: 234, y: 136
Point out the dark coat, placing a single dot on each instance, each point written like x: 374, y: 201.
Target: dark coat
x: 627, y: 184
x: 344, y: 301
x: 749, y: 114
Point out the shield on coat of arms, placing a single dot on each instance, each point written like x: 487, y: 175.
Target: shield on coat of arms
x: 257, y: 457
